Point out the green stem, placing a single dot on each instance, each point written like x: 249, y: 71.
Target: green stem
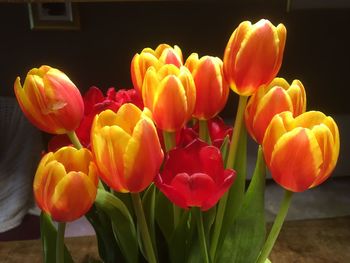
x: 74, y: 139
x: 204, y: 131
x: 170, y: 142
x: 230, y: 163
x: 236, y: 132
x: 276, y: 227
x: 200, y: 229
x: 60, y: 242
x: 141, y: 220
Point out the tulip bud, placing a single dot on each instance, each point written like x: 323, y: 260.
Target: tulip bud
x: 163, y: 54
x: 301, y: 152
x: 65, y: 183
x: 50, y: 100
x: 253, y: 55
x: 170, y: 94
x: 270, y: 100
x: 211, y: 87
x: 126, y: 148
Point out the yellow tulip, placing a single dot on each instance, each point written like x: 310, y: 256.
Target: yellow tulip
x: 301, y: 152
x: 270, y: 100
x: 50, y: 100
x: 163, y: 54
x: 253, y: 55
x: 170, y: 94
x: 65, y: 183
x: 211, y: 88
x: 126, y: 148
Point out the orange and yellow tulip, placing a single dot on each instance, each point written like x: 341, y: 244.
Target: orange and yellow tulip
x: 211, y: 88
x: 65, y: 183
x: 270, y: 100
x: 301, y: 152
x: 163, y: 54
x: 50, y: 100
x: 170, y: 94
x: 253, y: 55
x: 126, y: 148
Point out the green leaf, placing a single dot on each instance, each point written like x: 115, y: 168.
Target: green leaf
x: 122, y: 223
x: 246, y: 235
x: 164, y: 215
x: 180, y: 240
x: 236, y: 192
x: 48, y: 234
x: 224, y: 148
x: 107, y: 245
x: 148, y: 203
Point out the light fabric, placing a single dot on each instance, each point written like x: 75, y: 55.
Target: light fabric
x: 20, y: 151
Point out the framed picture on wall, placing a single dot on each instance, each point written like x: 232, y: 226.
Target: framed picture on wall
x: 53, y: 16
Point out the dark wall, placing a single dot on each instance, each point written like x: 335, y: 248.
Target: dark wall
x: 317, y: 49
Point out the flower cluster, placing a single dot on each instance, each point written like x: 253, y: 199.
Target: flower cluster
x: 156, y: 163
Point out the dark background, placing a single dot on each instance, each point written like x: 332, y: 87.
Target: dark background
x: 317, y: 47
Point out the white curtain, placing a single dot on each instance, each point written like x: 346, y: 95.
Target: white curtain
x: 20, y: 152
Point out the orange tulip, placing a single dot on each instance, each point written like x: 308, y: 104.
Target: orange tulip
x: 270, y: 100
x: 126, y: 148
x: 211, y: 87
x: 253, y: 55
x: 170, y: 94
x: 65, y: 183
x: 163, y: 54
x: 301, y: 152
x: 50, y: 100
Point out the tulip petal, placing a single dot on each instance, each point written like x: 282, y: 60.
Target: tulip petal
x: 73, y: 197
x: 73, y: 159
x: 109, y: 144
x: 256, y: 57
x: 46, y: 178
x: 278, y: 126
x: 228, y: 177
x: 297, y: 94
x: 325, y: 140
x: 296, y: 160
x: 196, y: 187
x: 275, y: 101
x: 170, y: 109
x: 142, y: 156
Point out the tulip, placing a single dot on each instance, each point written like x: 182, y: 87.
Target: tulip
x: 301, y: 152
x: 194, y: 176
x: 270, y: 100
x: 170, y: 94
x: 50, y: 100
x: 65, y: 183
x: 253, y: 55
x: 211, y: 88
x: 163, y: 54
x: 126, y: 148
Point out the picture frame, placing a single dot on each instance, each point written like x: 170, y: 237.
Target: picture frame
x: 53, y: 16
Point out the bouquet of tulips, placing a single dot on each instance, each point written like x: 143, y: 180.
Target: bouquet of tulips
x: 160, y: 177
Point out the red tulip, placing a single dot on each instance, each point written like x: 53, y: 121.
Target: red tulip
x: 194, y: 176
x: 95, y: 102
